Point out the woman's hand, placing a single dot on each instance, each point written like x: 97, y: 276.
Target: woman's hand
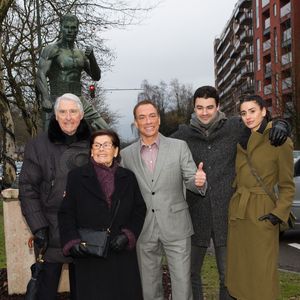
x: 119, y: 242
x: 272, y: 218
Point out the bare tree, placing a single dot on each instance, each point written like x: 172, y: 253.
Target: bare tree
x: 8, y: 142
x: 29, y: 25
x: 174, y: 101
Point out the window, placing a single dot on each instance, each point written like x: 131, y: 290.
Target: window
x: 258, y: 54
x: 257, y: 13
x: 275, y: 10
x: 276, y: 45
x: 258, y: 86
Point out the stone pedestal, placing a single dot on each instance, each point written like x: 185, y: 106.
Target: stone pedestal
x: 19, y: 257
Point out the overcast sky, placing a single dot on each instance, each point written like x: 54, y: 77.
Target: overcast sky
x: 175, y: 41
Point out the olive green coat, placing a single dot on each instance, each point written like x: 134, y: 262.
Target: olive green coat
x: 252, y: 244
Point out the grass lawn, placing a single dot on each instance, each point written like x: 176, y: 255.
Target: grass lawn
x: 290, y: 282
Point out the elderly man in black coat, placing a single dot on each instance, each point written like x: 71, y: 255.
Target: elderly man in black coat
x: 48, y: 159
x: 212, y: 139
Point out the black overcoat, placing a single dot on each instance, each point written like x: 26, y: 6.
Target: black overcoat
x: 217, y: 152
x: 84, y: 206
x: 47, y: 160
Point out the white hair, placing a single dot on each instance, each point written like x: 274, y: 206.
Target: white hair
x: 68, y: 97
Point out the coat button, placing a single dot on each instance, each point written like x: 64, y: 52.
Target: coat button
x: 153, y: 193
x: 152, y: 210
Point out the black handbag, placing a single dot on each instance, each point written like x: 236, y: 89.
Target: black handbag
x: 290, y: 224
x: 96, y: 242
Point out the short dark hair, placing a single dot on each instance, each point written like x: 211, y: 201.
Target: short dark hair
x: 69, y: 17
x: 260, y: 101
x: 144, y: 102
x: 206, y: 92
x: 113, y: 136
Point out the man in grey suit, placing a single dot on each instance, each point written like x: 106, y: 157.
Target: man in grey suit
x: 161, y: 166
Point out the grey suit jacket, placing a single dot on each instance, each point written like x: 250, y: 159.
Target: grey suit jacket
x: 163, y: 190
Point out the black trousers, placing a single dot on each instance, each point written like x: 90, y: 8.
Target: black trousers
x: 49, y: 281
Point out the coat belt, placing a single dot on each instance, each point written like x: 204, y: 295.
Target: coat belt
x: 244, y: 196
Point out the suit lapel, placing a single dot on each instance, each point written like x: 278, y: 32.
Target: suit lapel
x: 161, y: 157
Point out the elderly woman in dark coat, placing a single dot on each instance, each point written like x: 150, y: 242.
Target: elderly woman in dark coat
x: 91, y: 197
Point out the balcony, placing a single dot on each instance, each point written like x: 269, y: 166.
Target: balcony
x: 268, y: 89
x: 267, y: 26
x: 246, y: 35
x: 247, y: 87
x: 268, y: 70
x: 237, y: 46
x: 246, y: 70
x: 285, y: 10
x: 264, y: 3
x: 237, y: 80
x: 236, y: 27
x: 267, y: 45
x: 246, y: 18
x: 244, y: 3
x: 247, y: 52
x: 286, y: 38
x: 286, y: 58
x: 228, y: 47
x: 286, y: 83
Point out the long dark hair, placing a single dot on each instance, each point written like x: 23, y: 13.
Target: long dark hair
x: 261, y: 103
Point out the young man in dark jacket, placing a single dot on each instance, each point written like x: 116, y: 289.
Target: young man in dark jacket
x: 212, y: 139
x: 48, y: 159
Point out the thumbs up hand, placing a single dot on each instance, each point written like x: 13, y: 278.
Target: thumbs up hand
x: 200, y: 176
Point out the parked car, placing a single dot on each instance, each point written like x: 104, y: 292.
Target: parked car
x: 296, y: 154
x: 296, y: 202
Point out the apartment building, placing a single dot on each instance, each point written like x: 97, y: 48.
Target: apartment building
x: 259, y: 51
x: 234, y: 57
x: 276, y: 27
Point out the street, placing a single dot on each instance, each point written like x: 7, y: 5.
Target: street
x: 289, y: 253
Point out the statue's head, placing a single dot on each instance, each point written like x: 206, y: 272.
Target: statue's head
x: 69, y: 27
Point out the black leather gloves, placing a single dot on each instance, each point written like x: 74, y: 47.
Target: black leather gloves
x: 119, y: 242
x: 41, y: 238
x: 279, y: 132
x: 272, y: 218
x: 77, y: 250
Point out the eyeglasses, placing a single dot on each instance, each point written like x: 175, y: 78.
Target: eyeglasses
x: 65, y: 112
x: 105, y: 146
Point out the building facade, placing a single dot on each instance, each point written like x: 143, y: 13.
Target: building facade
x: 276, y: 27
x: 263, y: 38
x: 234, y: 57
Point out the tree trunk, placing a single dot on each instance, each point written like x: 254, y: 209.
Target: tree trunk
x: 4, y: 6
x: 8, y: 138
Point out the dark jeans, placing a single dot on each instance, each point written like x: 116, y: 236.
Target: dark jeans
x: 197, y: 258
x: 50, y: 276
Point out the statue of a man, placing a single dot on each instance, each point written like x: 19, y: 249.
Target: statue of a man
x: 59, y: 72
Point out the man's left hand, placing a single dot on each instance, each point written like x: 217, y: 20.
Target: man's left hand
x: 200, y: 176
x: 279, y: 132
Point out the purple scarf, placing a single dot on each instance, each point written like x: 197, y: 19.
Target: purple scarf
x: 106, y: 179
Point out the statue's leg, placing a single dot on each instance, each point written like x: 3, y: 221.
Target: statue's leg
x: 46, y: 119
x: 92, y: 116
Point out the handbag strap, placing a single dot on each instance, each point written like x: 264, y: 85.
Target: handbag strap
x: 260, y: 181
x: 114, y: 215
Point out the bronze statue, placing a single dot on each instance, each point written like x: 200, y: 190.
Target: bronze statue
x: 59, y: 72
